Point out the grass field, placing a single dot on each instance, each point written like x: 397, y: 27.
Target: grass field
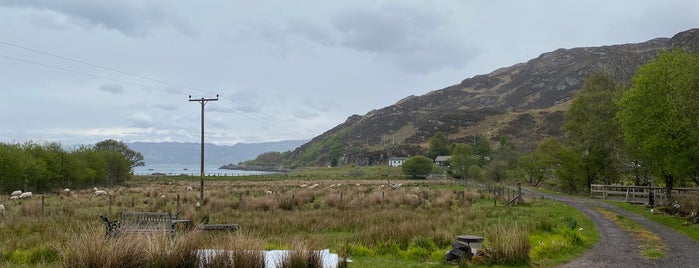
x: 363, y: 220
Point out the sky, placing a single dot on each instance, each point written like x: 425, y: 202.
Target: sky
x: 83, y: 71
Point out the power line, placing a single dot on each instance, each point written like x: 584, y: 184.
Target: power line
x: 96, y: 66
x: 81, y: 73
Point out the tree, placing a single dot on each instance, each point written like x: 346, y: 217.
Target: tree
x: 659, y: 115
x: 439, y: 145
x: 135, y: 158
x: 534, y: 167
x: 417, y: 166
x: 565, y: 163
x: 462, y: 157
x: 591, y: 130
x: 482, y: 150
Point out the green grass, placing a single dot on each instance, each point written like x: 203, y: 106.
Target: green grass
x: 679, y: 224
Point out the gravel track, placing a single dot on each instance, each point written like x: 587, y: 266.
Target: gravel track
x: 617, y: 248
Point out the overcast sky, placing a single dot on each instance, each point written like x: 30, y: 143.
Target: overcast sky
x: 82, y: 71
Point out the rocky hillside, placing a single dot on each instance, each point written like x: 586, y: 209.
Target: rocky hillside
x: 524, y: 102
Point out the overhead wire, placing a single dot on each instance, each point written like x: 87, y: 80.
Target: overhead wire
x: 101, y: 67
x: 297, y: 131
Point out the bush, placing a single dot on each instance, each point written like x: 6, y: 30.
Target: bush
x: 417, y: 166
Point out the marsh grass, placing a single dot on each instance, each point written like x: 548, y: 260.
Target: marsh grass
x: 508, y: 244
x: 366, y: 220
x: 301, y: 255
x: 91, y: 249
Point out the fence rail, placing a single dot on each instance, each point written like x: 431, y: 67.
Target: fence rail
x: 636, y: 194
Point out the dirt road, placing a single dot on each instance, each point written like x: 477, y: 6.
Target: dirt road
x: 617, y: 248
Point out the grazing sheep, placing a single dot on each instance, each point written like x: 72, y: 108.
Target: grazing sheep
x: 189, y: 188
x: 313, y: 186
x: 66, y: 190
x: 16, y: 193
x: 268, y: 192
x: 101, y: 192
x: 2, y: 210
x: 15, y: 197
x: 95, y: 189
x: 304, y: 186
x: 25, y: 195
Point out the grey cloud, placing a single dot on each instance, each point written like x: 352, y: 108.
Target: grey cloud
x: 116, y: 89
x: 132, y: 18
x: 415, y: 39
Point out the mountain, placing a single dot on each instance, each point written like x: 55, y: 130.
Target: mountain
x: 524, y: 102
x: 190, y: 153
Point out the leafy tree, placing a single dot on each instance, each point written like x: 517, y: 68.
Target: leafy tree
x: 534, y: 167
x: 135, y: 158
x: 591, y: 130
x: 462, y: 157
x: 13, y: 161
x: 659, y: 115
x: 417, y: 166
x: 496, y: 170
x: 117, y: 167
x: 565, y: 163
x: 439, y: 145
x: 482, y: 150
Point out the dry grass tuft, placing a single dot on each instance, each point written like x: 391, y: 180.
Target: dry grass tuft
x: 509, y: 244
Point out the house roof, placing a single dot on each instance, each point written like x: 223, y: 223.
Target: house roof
x: 397, y: 158
x: 442, y: 158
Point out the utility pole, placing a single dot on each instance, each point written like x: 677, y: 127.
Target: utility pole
x: 203, y: 102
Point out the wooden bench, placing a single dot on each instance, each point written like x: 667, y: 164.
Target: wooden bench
x: 142, y: 222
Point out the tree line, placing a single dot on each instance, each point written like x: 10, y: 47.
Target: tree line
x: 47, y: 167
x: 643, y: 133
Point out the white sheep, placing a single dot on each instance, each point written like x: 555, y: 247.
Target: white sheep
x: 268, y: 192
x: 412, y: 196
x: 15, y: 197
x: 304, y: 186
x: 25, y: 195
x: 95, y: 189
x: 66, y: 190
x: 16, y: 193
x: 101, y: 192
x: 189, y: 188
x: 313, y: 186
x: 2, y: 210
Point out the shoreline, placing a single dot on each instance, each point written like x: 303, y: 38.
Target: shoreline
x: 254, y: 168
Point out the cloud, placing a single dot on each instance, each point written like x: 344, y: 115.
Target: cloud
x: 131, y: 18
x: 417, y: 39
x: 116, y: 89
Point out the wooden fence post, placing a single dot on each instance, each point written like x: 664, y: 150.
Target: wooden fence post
x: 519, y: 193
x: 42, y: 205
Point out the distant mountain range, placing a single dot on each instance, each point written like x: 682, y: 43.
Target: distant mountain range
x: 155, y: 153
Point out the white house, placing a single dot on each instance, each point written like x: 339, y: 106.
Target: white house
x: 396, y: 161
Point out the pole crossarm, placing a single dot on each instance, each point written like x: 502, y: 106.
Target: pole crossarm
x: 203, y: 102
